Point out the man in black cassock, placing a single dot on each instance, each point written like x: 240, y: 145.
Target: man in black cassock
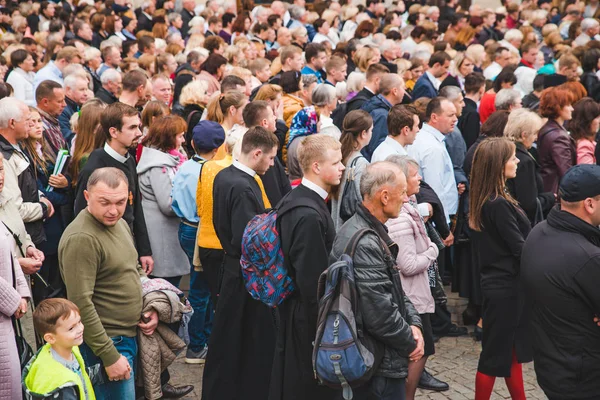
x: 307, y: 234
x: 241, y: 345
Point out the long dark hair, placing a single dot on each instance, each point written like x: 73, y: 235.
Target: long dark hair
x: 355, y: 123
x: 585, y: 111
x: 487, y: 177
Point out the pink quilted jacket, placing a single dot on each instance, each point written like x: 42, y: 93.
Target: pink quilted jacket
x: 416, y: 254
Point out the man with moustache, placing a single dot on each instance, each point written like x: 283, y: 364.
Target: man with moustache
x: 121, y: 126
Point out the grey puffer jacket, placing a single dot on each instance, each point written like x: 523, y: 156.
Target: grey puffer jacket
x: 386, y: 311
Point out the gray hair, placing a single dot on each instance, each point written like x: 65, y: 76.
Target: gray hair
x: 522, y: 123
x: 299, y: 31
x: 377, y: 175
x: 308, y: 79
x: 10, y: 108
x: 589, y: 23
x: 387, y: 44
x: 72, y: 80
x: 296, y: 12
x: 403, y: 162
x: 110, y: 176
x: 513, y: 34
x: 173, y: 36
x: 323, y: 95
x: 506, y: 98
x: 109, y: 75
x: 173, y: 16
x: 90, y: 53
x: 451, y: 92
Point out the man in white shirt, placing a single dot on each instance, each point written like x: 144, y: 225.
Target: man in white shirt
x: 526, y: 70
x: 322, y: 27
x: 403, y: 125
x: 502, y: 57
x: 590, y: 27
x: 435, y: 165
x: 53, y: 70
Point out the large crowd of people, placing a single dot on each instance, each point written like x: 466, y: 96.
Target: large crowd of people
x: 138, y: 141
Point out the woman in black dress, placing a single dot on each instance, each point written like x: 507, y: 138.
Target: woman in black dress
x: 499, y: 227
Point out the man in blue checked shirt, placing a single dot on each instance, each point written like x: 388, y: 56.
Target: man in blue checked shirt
x: 207, y: 137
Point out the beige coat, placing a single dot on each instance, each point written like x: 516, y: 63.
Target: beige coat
x: 157, y: 351
x: 9, y: 214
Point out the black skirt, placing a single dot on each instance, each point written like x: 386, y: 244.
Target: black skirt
x: 427, y: 335
x: 505, y: 329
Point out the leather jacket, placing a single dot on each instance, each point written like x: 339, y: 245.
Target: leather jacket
x: 557, y: 153
x: 387, y: 313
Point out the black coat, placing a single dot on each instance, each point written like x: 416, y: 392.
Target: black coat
x: 144, y: 23
x: 560, y: 268
x: 451, y: 80
x: 505, y: 321
x: 276, y: 182
x: 134, y: 214
x: 528, y: 188
x: 390, y: 65
x: 469, y: 122
x: 186, y: 16
x: 106, y: 96
x: 307, y: 235
x: 470, y: 154
x: 387, y: 312
x: 242, y: 341
x: 592, y: 85
x: 361, y: 98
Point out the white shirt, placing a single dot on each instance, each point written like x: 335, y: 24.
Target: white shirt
x: 436, y: 83
x: 387, y: 148
x: 22, y: 84
x: 435, y: 166
x: 315, y: 188
x: 320, y: 38
x: 244, y: 168
x: 525, y: 77
x: 492, y: 71
x: 111, y: 152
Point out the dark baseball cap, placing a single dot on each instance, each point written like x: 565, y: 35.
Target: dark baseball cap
x: 207, y: 136
x: 580, y: 182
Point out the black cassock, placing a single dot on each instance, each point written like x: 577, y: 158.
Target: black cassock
x: 307, y: 236
x: 242, y: 341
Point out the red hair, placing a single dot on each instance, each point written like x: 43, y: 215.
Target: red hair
x: 553, y: 100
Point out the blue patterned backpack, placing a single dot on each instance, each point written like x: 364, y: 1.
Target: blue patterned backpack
x: 263, y: 266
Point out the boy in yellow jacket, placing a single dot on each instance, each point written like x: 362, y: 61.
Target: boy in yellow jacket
x: 58, y: 368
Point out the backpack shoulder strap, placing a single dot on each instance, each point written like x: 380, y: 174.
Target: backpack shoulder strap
x: 189, y: 117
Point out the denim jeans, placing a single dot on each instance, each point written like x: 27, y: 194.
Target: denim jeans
x: 199, y: 295
x: 114, y: 390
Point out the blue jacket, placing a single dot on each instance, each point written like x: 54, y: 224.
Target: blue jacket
x: 379, y: 108
x: 64, y: 120
x: 424, y: 88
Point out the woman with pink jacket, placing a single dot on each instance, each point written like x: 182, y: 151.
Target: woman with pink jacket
x: 416, y: 262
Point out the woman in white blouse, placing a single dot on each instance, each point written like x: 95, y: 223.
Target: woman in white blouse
x: 21, y: 77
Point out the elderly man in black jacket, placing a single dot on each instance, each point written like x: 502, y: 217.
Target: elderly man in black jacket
x: 560, y: 269
x: 388, y: 315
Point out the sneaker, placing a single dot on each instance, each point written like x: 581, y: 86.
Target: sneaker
x: 192, y: 357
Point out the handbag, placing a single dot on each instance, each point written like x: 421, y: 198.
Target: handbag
x: 24, y: 350
x: 350, y: 197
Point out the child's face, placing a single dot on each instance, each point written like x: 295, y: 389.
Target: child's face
x: 69, y: 332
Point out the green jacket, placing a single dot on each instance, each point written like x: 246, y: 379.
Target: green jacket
x: 44, y: 377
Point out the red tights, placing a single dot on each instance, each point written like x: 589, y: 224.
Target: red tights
x: 484, y: 384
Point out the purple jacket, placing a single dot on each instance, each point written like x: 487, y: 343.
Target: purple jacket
x: 557, y: 153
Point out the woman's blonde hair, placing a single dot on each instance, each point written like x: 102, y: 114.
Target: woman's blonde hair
x: 220, y: 103
x: 476, y: 53
x: 363, y: 56
x: 268, y: 92
x: 522, y: 122
x: 194, y: 93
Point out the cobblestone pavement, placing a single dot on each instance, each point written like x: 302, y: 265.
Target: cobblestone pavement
x: 455, y: 362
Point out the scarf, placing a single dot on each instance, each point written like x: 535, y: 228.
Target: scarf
x: 565, y: 221
x: 304, y: 123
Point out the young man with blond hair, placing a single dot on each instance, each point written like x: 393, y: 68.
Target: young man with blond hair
x: 307, y: 234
